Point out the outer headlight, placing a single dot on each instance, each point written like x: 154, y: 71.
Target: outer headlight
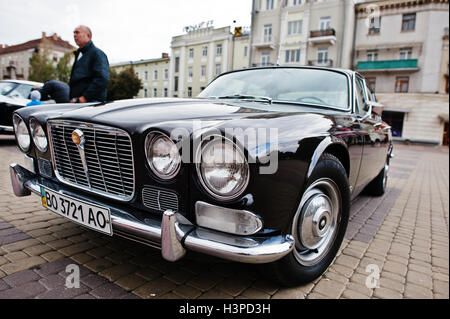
x: 162, y: 155
x: 38, y: 134
x: 22, y: 134
x: 222, y: 168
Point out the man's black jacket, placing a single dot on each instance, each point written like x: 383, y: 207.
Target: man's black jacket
x: 55, y: 90
x: 90, y: 74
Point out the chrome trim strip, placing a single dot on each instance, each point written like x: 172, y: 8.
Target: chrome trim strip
x: 90, y: 126
x: 168, y: 233
x: 6, y: 128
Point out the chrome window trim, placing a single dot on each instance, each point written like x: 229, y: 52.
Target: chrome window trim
x: 90, y: 126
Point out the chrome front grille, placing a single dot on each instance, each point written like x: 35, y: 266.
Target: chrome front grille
x: 159, y: 200
x: 108, y: 158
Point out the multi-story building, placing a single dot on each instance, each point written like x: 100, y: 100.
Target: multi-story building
x: 154, y: 74
x: 401, y: 47
x: 398, y: 44
x: 302, y: 32
x: 198, y: 57
x: 15, y: 59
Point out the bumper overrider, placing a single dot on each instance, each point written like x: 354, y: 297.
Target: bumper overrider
x: 173, y: 234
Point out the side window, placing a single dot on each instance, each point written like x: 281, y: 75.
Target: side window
x: 360, y: 97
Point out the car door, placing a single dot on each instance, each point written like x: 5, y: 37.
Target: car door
x: 370, y: 126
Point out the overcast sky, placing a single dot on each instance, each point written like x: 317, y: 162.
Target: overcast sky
x: 124, y: 29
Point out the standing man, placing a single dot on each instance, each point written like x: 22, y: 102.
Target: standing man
x: 90, y: 71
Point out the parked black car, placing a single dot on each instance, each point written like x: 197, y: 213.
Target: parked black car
x: 14, y: 94
x: 260, y: 168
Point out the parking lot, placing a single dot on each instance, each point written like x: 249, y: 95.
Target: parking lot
x: 396, y: 246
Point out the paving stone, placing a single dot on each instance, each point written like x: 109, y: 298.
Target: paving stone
x: 284, y: 293
x: 187, y: 292
x: 155, y: 288
x: 115, y: 272
x: 331, y: 289
x: 52, y: 256
x: 25, y: 291
x: 18, y: 246
x: 419, y: 279
x: 417, y: 292
x: 21, y: 278
x: 131, y: 282
x: 98, y: 265
x: 108, y: 291
x: 22, y: 264
x: 93, y: 280
x: 53, y: 267
x: 53, y: 281
x: 215, y: 294
x: 62, y: 292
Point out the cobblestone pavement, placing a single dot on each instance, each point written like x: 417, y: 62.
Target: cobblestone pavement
x: 404, y: 234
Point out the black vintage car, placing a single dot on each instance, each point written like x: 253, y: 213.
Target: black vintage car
x: 260, y: 168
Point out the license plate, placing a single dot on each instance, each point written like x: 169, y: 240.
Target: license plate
x: 91, y: 216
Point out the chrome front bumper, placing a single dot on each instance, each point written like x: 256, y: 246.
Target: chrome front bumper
x: 173, y: 234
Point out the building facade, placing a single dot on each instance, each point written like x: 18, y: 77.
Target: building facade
x: 398, y: 44
x: 15, y: 59
x: 302, y: 32
x: 401, y: 47
x: 198, y: 57
x: 154, y: 74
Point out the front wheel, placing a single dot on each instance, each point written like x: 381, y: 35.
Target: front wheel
x: 318, y: 226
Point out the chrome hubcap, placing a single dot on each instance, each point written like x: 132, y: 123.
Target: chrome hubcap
x: 315, y: 223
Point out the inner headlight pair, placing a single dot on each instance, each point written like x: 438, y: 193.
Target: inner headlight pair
x: 23, y: 136
x: 221, y: 165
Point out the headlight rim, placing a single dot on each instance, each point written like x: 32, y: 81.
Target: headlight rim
x: 150, y: 139
x: 30, y: 123
x: 16, y: 126
x: 215, y: 195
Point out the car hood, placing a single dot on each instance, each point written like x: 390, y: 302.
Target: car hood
x: 15, y: 101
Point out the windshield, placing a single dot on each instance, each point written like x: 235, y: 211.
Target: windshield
x: 6, y: 87
x: 292, y: 85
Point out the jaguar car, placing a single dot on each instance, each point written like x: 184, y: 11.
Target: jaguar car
x: 260, y: 168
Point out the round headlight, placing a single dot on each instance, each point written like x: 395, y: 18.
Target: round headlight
x: 162, y: 155
x: 22, y: 134
x: 38, y: 134
x: 223, y: 169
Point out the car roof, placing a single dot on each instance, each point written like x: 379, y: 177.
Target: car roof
x: 23, y: 82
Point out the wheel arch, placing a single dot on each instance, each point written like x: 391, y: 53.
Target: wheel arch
x: 335, y: 147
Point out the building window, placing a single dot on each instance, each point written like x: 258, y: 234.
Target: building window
x: 401, y: 84
x: 296, y: 2
x: 155, y: 91
x: 265, y: 58
x: 267, y: 33
x: 395, y: 121
x: 189, y: 91
x: 325, y: 23
x: 146, y: 75
x: 155, y: 75
x: 295, y: 27
x: 409, y: 22
x: 269, y: 4
x: 177, y: 64
x: 203, y: 70
x: 166, y: 74
x: 165, y: 92
x: 191, y: 53
x: 372, y: 55
x: 322, y: 55
x: 245, y: 51
x: 406, y: 54
x: 175, y: 85
x: 375, y: 25
x: 145, y: 93
x: 292, y: 55
x: 371, y: 81
x: 205, y: 51
x: 219, y: 49
x: 190, y: 73
x: 218, y: 69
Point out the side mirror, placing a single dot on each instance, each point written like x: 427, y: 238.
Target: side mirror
x: 375, y: 107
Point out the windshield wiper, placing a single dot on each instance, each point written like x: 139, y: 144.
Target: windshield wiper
x: 245, y: 97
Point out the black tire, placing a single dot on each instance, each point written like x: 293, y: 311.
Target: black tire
x: 377, y: 186
x: 295, y: 268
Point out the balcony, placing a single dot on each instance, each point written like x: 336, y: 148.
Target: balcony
x: 388, y: 65
x: 264, y: 45
x: 327, y: 36
x: 324, y: 63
